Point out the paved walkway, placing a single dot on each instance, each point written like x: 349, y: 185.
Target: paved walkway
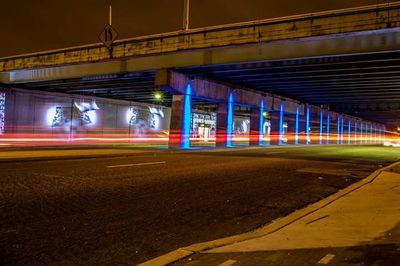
x: 357, y: 226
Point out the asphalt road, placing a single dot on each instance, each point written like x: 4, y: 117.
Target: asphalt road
x: 125, y: 210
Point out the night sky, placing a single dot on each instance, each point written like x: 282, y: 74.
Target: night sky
x: 37, y: 25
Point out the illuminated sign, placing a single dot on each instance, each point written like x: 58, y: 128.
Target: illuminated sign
x: 2, y: 111
x: 206, y: 119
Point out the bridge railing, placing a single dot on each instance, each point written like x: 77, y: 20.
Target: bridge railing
x: 376, y: 17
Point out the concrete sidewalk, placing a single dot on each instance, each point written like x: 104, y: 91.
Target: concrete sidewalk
x: 342, y: 229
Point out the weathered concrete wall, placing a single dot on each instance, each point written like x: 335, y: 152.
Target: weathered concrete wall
x: 33, y: 114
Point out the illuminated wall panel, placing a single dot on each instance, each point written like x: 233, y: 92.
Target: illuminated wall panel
x: 61, y: 117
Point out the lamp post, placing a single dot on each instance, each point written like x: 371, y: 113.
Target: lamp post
x: 186, y: 9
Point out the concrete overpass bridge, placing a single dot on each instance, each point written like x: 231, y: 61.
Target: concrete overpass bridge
x: 330, y: 73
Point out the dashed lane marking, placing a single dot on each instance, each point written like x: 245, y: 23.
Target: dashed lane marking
x: 325, y: 260
x: 134, y: 164
x: 228, y: 263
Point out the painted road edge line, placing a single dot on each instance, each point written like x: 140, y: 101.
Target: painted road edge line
x: 270, y: 228
x: 326, y: 259
x: 135, y: 164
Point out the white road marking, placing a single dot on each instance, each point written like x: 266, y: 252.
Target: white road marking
x: 275, y: 152
x: 326, y: 259
x: 228, y: 263
x: 134, y: 164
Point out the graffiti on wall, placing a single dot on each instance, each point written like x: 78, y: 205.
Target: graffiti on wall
x: 80, y: 114
x: 142, y: 120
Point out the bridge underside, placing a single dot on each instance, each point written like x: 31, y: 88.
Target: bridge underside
x: 362, y: 85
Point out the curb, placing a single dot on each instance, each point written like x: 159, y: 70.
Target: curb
x: 273, y: 227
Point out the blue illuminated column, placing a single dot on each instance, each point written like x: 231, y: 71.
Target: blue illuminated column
x: 349, y: 132
x: 361, y: 132
x: 181, y: 114
x: 292, y: 130
x: 187, y: 116
x: 261, y: 124
x: 338, y: 129
x: 328, y: 125
x: 296, y: 131
x: 225, y: 122
x: 257, y: 125
x: 321, y: 125
x: 308, y: 124
x: 229, y: 122
x: 281, y: 111
x: 342, y: 131
x: 366, y: 140
x: 355, y: 132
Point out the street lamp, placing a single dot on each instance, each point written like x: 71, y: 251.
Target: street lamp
x: 158, y: 96
x: 186, y: 9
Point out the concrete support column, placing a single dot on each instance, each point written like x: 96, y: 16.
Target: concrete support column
x: 328, y: 127
x: 338, y: 129
x: 371, y: 133
x: 308, y: 124
x: 342, y: 130
x: 379, y: 134
x: 277, y: 126
x: 321, y: 127
x: 349, y: 131
x: 292, y: 130
x: 304, y: 127
x: 225, y: 122
x: 181, y: 112
x: 355, y: 132
x: 256, y: 126
x: 383, y: 134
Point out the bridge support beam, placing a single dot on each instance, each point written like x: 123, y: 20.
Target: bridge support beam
x: 276, y: 135
x: 292, y: 129
x: 179, y: 135
x: 257, y: 125
x: 349, y: 127
x: 225, y: 112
